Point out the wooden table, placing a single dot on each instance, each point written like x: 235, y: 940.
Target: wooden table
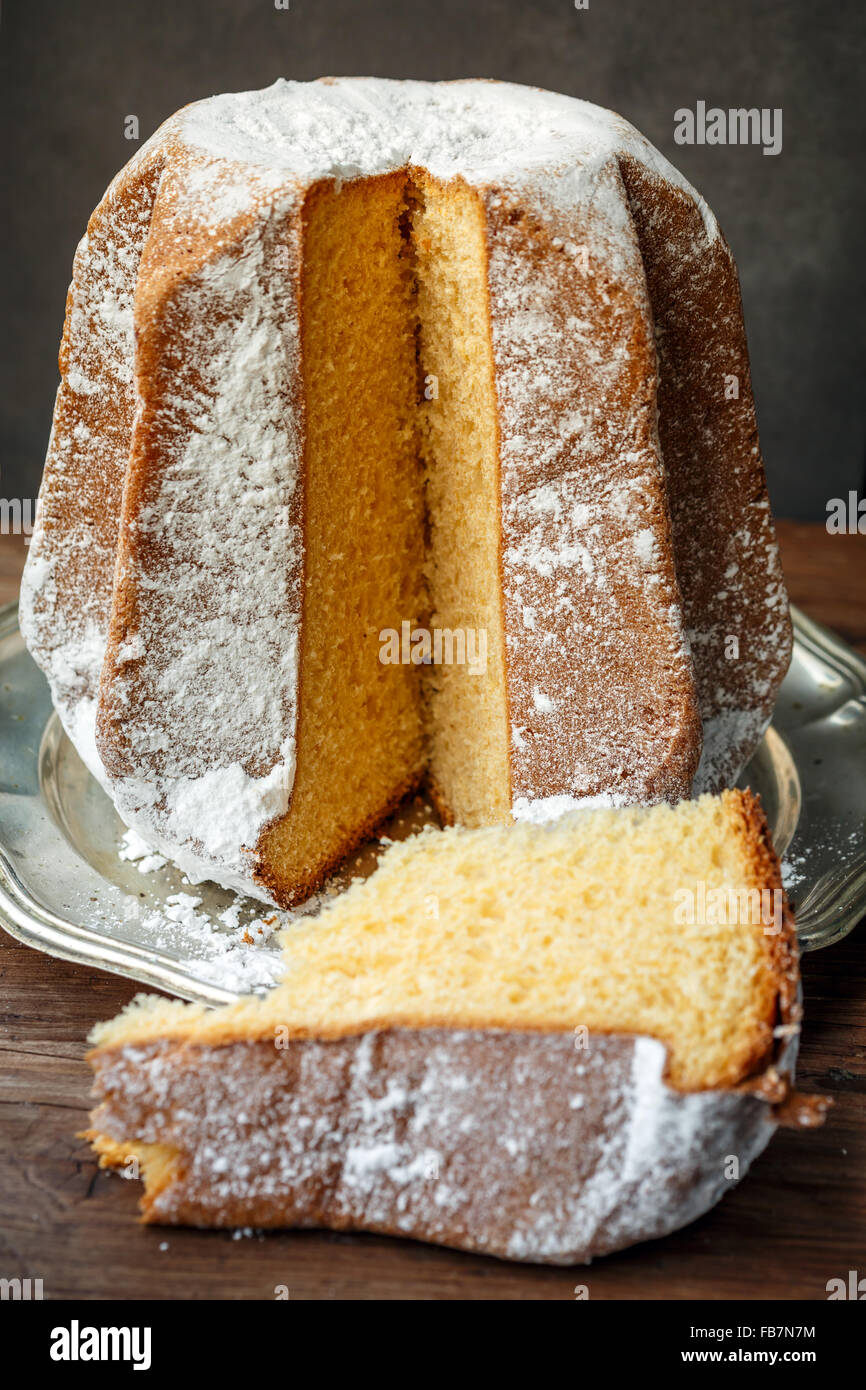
x: 798, y: 1220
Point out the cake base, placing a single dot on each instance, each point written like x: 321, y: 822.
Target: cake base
x: 546, y: 1147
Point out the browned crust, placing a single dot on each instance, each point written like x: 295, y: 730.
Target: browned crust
x: 80, y: 497
x: 519, y: 1085
x: 716, y: 483
x: 674, y: 760
x: 782, y: 984
x: 171, y: 260
x: 509, y: 772
x: 440, y: 805
x: 397, y: 1023
x: 270, y: 880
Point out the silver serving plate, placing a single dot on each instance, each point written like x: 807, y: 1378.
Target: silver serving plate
x: 63, y: 888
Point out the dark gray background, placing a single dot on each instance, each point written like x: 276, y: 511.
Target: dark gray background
x: 71, y: 72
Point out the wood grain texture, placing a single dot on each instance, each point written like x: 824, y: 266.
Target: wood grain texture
x: 798, y: 1220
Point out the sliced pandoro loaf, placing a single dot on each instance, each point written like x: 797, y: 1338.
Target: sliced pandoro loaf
x: 349, y: 358
x: 543, y: 1042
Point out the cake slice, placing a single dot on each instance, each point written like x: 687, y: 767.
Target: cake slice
x: 541, y: 1041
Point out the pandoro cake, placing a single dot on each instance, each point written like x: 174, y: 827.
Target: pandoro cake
x: 347, y: 355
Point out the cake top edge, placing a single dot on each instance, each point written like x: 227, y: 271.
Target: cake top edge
x: 480, y: 129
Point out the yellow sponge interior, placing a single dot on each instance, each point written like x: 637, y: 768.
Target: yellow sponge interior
x: 581, y: 923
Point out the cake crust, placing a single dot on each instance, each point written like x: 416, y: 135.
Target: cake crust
x: 514, y: 1144
x: 735, y: 606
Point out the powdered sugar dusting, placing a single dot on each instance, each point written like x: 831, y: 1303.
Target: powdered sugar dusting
x: 548, y: 808
x: 234, y: 955
x: 512, y: 1144
x: 232, y: 946
x: 724, y: 733
x: 213, y: 740
x: 486, y: 132
x: 586, y: 539
x: 66, y: 589
x: 135, y: 850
